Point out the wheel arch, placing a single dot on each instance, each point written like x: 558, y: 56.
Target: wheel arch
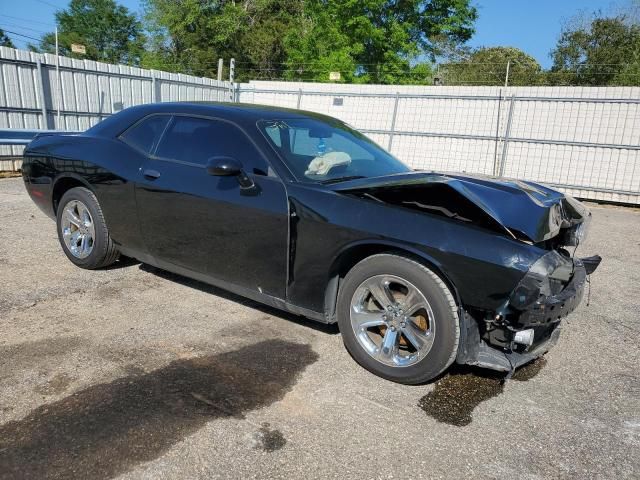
x: 352, y: 254
x: 62, y: 184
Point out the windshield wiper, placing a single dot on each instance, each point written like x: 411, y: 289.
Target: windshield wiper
x: 342, y: 179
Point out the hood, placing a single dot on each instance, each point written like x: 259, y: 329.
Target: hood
x: 525, y: 210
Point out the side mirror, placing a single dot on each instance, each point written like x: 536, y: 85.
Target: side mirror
x: 230, y: 167
x: 223, y: 166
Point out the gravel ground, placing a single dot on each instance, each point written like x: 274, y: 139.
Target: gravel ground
x: 135, y: 373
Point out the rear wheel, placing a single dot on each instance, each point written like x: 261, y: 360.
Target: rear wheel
x: 398, y: 319
x: 82, y: 230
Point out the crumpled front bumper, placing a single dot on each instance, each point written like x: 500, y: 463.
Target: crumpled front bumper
x: 494, y: 359
x: 555, y: 307
x: 476, y: 351
x: 544, y: 316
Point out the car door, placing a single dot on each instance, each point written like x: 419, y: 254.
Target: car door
x: 206, y: 223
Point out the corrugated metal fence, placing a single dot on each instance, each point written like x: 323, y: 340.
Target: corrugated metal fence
x: 33, y: 95
x: 585, y: 141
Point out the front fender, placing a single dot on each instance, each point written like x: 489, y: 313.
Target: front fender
x: 352, y: 253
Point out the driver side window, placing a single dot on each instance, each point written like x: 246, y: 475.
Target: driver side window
x: 195, y: 140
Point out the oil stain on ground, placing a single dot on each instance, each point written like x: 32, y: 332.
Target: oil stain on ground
x: 456, y: 395
x: 530, y: 370
x: 107, y: 429
x: 268, y: 440
x: 31, y: 354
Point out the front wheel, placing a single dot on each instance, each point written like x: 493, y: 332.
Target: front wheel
x: 398, y: 319
x: 82, y: 230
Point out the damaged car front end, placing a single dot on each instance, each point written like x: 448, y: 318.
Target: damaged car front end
x: 526, y: 321
x: 529, y: 322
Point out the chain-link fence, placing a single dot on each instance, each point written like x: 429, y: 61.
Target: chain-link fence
x: 465, y: 73
x: 583, y: 140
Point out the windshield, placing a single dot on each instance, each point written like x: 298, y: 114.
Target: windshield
x: 326, y: 152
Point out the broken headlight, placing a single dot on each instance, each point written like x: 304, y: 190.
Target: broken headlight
x: 546, y: 277
x: 577, y: 234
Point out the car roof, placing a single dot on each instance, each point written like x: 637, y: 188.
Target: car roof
x: 251, y: 110
x: 240, y: 113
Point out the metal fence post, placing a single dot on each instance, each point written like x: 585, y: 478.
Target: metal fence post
x: 393, y: 121
x: 506, y: 77
x: 220, y: 67
x: 155, y: 94
x: 232, y: 77
x: 497, y: 142
x: 507, y: 134
x: 299, y: 99
x: 42, y: 95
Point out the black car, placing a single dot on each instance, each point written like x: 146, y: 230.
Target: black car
x: 303, y: 213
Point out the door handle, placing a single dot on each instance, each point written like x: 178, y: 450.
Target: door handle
x: 151, y: 174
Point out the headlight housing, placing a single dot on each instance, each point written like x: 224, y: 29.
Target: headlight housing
x: 577, y: 222
x: 577, y: 234
x: 546, y: 277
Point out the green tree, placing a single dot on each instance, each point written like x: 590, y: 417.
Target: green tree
x: 109, y: 32
x: 189, y: 36
x: 488, y: 66
x: 5, y: 41
x: 381, y: 41
x: 605, y: 51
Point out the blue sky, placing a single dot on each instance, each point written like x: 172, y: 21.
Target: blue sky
x: 531, y: 25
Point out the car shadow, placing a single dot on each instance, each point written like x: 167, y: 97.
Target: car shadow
x: 107, y: 429
x: 219, y: 292
x: 122, y: 262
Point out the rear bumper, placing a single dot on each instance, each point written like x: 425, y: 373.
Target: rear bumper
x: 40, y: 193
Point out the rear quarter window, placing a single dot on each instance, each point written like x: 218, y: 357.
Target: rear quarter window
x: 145, y: 134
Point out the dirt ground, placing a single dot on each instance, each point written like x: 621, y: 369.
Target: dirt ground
x: 136, y: 373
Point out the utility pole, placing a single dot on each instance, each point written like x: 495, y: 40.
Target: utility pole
x: 220, y: 67
x: 59, y: 80
x: 232, y: 77
x: 506, y: 77
x: 232, y: 70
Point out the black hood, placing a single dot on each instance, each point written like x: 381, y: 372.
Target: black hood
x: 525, y: 210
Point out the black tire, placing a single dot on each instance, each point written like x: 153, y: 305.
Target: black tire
x: 443, y: 305
x: 104, y: 251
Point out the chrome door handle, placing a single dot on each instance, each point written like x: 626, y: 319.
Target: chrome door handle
x: 151, y: 174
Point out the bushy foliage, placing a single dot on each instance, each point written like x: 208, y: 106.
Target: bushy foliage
x: 366, y: 41
x: 109, y: 32
x: 4, y: 40
x: 488, y: 66
x: 381, y: 41
x: 604, y: 51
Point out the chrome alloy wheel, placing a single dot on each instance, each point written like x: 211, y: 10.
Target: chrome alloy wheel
x: 392, y: 321
x: 78, y: 230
